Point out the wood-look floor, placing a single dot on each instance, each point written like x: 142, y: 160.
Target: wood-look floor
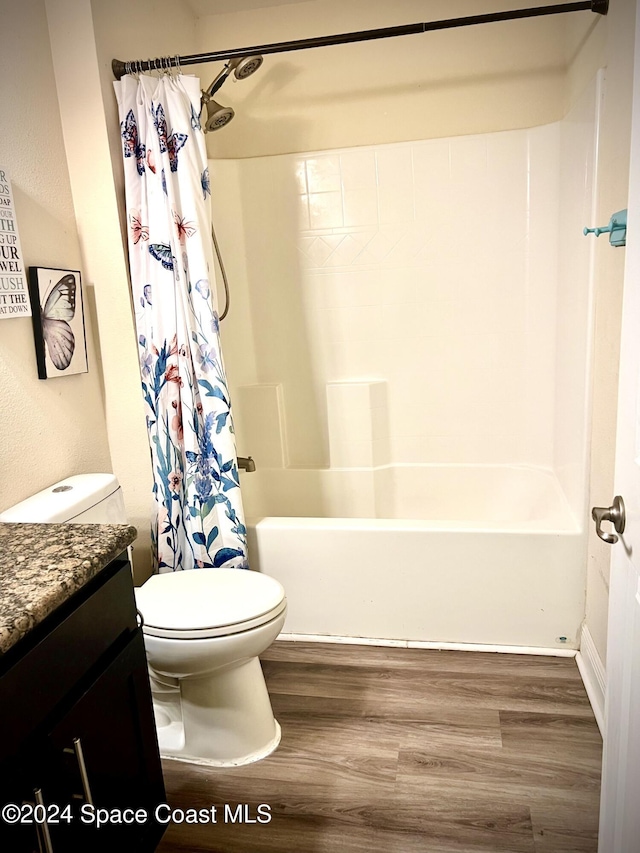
x: 392, y: 750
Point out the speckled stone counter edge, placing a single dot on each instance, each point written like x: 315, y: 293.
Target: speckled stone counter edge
x: 43, y: 565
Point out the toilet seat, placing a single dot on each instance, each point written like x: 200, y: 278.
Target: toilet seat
x: 204, y: 603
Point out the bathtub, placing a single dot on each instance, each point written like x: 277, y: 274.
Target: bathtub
x: 481, y: 555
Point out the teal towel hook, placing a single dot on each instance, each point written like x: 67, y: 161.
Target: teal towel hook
x: 617, y: 229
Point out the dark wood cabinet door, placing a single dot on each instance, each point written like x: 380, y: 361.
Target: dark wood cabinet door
x: 104, y: 751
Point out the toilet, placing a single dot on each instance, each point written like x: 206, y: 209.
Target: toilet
x: 203, y: 630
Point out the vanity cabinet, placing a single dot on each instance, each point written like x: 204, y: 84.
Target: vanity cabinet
x: 77, y: 724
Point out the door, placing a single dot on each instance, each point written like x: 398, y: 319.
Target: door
x: 620, y: 801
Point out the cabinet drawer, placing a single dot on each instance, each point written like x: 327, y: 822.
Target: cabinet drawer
x: 83, y: 630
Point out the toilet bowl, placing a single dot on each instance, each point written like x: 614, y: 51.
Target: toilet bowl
x: 204, y: 630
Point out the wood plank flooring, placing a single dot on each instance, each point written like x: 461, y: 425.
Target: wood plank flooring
x: 392, y: 750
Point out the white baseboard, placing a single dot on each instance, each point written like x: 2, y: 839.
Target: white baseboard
x: 419, y: 644
x: 594, y: 675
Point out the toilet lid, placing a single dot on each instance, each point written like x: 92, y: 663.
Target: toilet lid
x: 208, y: 602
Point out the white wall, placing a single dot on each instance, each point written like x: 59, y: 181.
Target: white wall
x: 49, y: 429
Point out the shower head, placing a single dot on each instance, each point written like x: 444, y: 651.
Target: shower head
x: 217, y: 115
x: 245, y: 67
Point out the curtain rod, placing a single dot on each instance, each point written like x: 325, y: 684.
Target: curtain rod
x: 600, y: 7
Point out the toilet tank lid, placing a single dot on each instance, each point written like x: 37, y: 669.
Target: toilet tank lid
x: 63, y: 501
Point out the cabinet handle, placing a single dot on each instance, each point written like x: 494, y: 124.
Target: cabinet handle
x: 82, y: 767
x: 42, y: 828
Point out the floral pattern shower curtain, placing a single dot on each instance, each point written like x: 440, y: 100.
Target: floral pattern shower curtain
x: 197, y: 519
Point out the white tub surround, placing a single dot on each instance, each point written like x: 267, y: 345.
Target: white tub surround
x: 410, y: 358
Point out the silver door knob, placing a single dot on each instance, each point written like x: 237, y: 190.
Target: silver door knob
x: 615, y: 514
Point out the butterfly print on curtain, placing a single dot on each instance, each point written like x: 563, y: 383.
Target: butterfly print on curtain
x: 132, y: 146
x: 138, y: 230
x: 185, y: 229
x: 169, y: 143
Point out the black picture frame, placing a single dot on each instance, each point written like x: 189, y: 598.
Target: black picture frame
x: 58, y: 321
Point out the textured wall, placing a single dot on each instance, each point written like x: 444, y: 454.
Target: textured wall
x: 48, y: 429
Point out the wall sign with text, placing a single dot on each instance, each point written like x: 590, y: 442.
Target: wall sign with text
x: 14, y: 292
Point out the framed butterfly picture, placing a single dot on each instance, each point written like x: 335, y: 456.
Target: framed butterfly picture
x: 58, y: 322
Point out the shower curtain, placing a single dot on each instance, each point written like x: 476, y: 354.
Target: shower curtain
x: 197, y: 518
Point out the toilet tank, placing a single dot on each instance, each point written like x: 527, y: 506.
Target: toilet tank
x: 81, y: 499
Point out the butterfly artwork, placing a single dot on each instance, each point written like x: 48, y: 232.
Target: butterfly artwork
x: 170, y: 143
x: 183, y: 227
x: 131, y: 144
x: 59, y: 325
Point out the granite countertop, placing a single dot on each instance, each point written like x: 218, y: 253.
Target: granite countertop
x: 43, y: 565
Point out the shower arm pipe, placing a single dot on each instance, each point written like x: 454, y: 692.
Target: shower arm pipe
x: 600, y: 7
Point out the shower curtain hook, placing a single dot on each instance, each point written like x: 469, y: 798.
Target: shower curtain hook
x: 178, y: 69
